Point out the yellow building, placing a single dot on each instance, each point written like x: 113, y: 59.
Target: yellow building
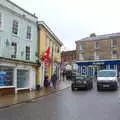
x: 47, y: 39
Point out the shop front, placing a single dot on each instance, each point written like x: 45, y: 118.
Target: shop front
x: 91, y: 68
x: 16, y: 77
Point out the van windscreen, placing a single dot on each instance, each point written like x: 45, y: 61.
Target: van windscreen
x: 107, y: 74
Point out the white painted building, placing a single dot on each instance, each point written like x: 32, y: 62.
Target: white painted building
x: 18, y: 47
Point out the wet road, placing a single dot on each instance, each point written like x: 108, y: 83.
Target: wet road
x: 68, y: 105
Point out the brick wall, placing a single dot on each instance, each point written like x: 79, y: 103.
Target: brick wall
x: 68, y: 56
x: 105, y: 49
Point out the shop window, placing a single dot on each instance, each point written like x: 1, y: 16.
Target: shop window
x: 22, y: 78
x: 28, y: 32
x: 15, y: 27
x: 6, y: 76
x: 27, y: 53
x: 13, y: 50
x: 113, y: 67
x: 84, y: 70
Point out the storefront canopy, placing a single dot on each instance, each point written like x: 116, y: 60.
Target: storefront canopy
x: 112, y: 62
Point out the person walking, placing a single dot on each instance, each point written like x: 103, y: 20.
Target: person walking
x: 46, y: 82
x: 54, y: 80
x: 64, y: 75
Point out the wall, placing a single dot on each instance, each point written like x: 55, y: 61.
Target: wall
x: 105, y: 49
x: 11, y: 13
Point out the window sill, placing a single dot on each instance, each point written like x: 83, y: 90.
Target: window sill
x: 14, y: 35
x: 22, y: 88
x: 29, y: 40
x: 7, y: 86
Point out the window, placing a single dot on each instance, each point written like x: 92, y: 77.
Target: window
x: 114, y: 43
x: 22, y: 78
x: 97, y: 55
x: 28, y: 32
x: 97, y: 44
x: 6, y: 76
x: 81, y: 46
x: 114, y: 53
x: 58, y: 50
x: 1, y: 20
x: 27, y: 53
x: 46, y: 42
x: 13, y: 50
x: 81, y: 56
x: 15, y: 27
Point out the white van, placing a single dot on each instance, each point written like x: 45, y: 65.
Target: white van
x: 107, y: 79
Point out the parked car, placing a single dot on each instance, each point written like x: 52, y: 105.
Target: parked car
x: 107, y: 79
x: 79, y: 82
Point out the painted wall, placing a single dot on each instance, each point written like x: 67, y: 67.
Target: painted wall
x: 10, y: 13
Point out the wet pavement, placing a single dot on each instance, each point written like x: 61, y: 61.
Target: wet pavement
x: 68, y: 105
x: 8, y: 100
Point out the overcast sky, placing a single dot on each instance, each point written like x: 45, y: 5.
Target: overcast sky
x: 72, y: 20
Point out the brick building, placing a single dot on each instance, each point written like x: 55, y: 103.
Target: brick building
x: 68, y: 56
x: 98, y: 52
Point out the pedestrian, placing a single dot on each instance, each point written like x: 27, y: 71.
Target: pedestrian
x: 64, y: 74
x: 46, y: 81
x: 54, y: 80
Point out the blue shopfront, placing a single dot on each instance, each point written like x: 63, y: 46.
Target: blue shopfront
x: 91, y: 68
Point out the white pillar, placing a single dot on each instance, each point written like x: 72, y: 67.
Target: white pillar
x: 30, y: 78
x: 42, y: 69
x: 15, y: 79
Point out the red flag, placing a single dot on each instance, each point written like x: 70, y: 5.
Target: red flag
x: 47, y: 53
x: 45, y: 58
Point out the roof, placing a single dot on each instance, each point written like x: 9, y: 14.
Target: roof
x: 21, y: 8
x: 101, y: 37
x: 50, y: 31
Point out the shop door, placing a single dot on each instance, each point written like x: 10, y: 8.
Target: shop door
x: 22, y: 78
x: 90, y: 71
x: 84, y: 71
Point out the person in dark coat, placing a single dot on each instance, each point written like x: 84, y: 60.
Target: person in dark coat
x: 46, y: 81
x: 64, y: 75
x: 54, y: 80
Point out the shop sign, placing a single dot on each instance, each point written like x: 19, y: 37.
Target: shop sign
x: 98, y: 63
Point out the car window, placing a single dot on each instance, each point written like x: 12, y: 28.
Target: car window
x: 107, y: 74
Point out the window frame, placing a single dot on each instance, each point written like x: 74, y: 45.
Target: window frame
x: 1, y: 21
x: 27, y: 52
x: 97, y: 44
x: 114, y: 55
x: 113, y: 44
x: 29, y: 33
x: 15, y: 26
x: 14, y: 44
x: 97, y: 55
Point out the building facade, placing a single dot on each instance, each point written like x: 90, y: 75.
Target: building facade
x: 68, y: 56
x: 47, y: 39
x: 98, y: 52
x: 18, y: 47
